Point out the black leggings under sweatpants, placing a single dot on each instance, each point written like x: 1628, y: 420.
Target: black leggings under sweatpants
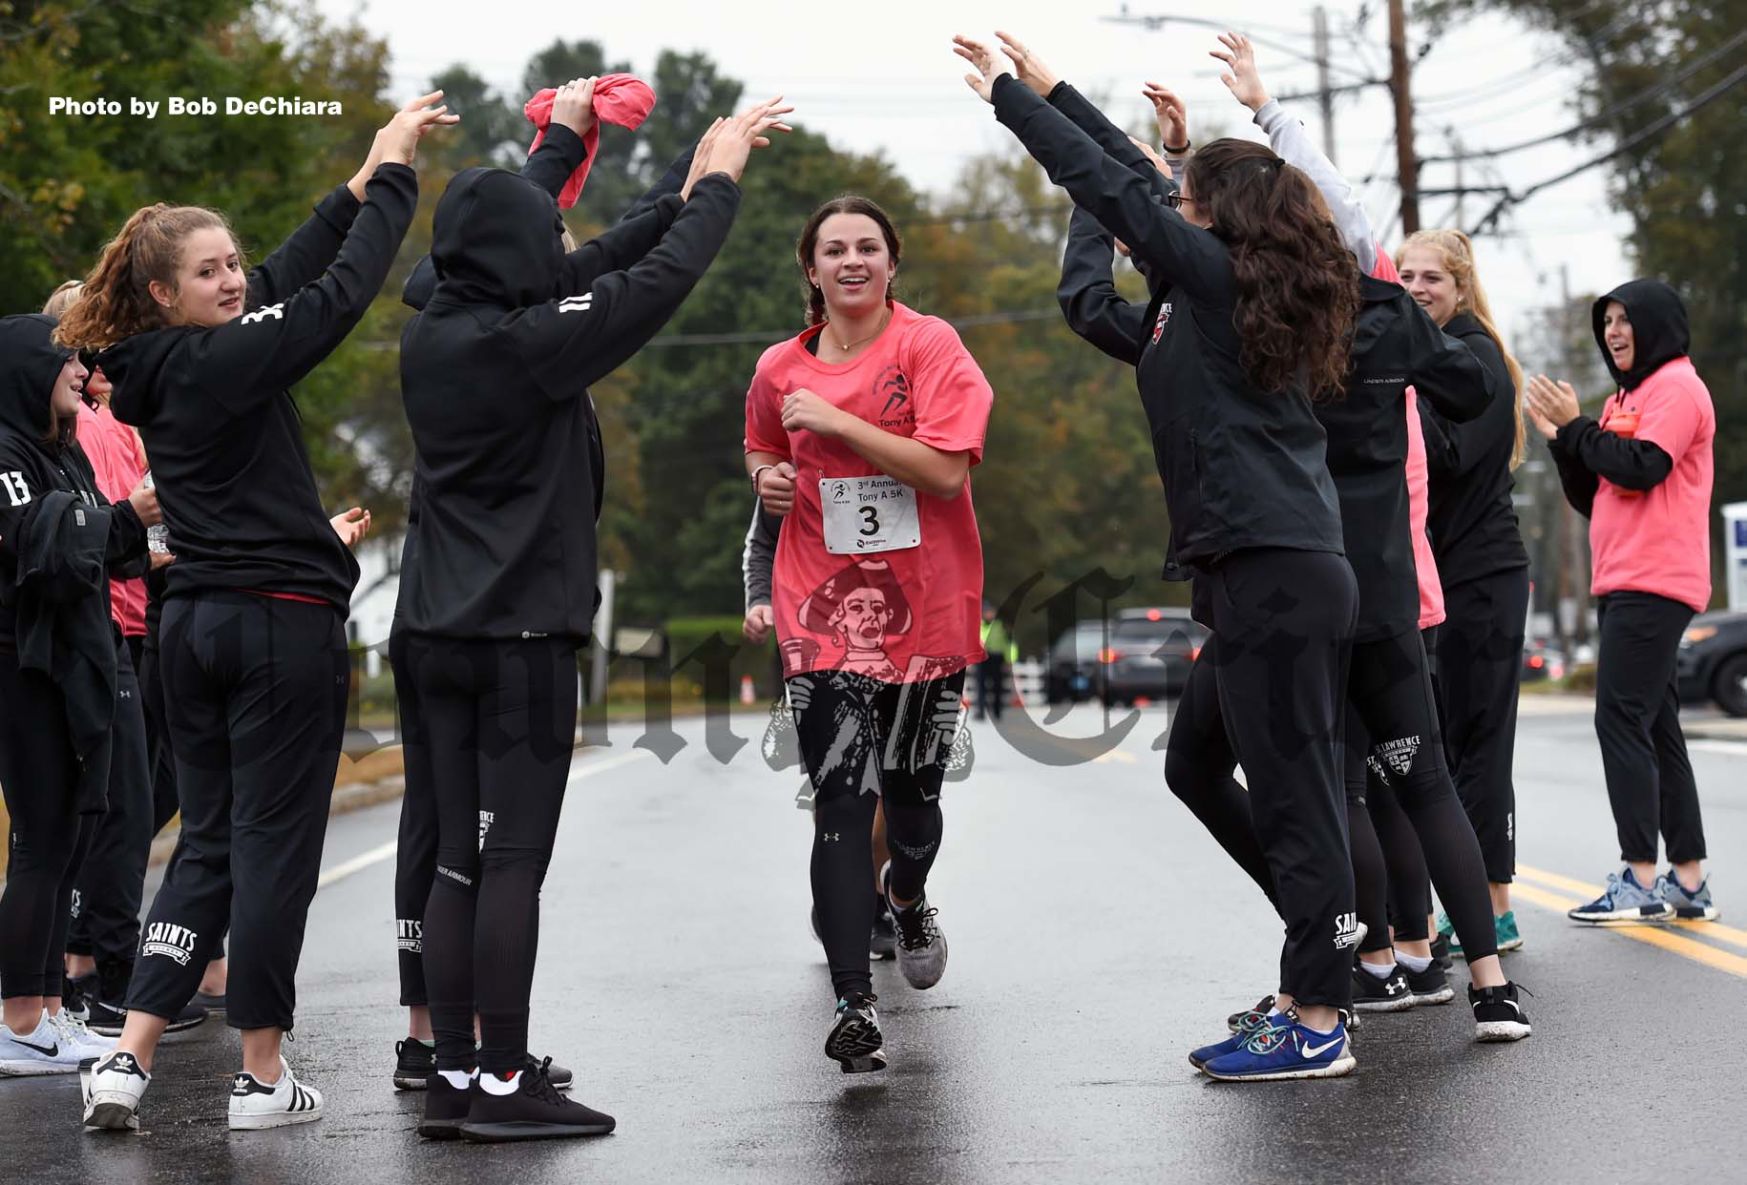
x: 48, y: 839
x: 255, y: 694
x: 1396, y: 775
x: 415, y: 853
x: 492, y: 725
x: 864, y: 743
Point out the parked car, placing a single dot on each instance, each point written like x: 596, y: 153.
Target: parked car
x: 1073, y: 674
x: 1150, y: 653
x: 1712, y: 661
x: 1542, y: 660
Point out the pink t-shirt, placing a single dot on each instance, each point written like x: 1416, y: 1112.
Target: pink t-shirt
x: 1425, y: 564
x: 902, y: 615
x: 1659, y: 540
x: 114, y: 453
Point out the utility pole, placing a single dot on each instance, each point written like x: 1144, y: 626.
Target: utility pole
x: 1407, y: 165
x: 1325, y: 98
x: 1578, y: 535
x: 1456, y: 151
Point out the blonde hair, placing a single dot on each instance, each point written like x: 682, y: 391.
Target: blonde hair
x: 1457, y: 251
x: 116, y: 302
x: 62, y: 298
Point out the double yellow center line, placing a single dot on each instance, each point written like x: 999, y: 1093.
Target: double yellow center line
x: 1552, y: 891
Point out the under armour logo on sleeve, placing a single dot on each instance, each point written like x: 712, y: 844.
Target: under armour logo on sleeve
x: 576, y: 304
x: 275, y: 311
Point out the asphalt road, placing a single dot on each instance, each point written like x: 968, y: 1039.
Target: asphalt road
x: 1096, y: 933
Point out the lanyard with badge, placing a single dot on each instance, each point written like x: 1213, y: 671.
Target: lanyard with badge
x: 865, y: 515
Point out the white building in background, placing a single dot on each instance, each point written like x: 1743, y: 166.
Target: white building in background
x: 373, y: 599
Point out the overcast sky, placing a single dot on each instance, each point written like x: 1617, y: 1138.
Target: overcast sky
x: 882, y: 77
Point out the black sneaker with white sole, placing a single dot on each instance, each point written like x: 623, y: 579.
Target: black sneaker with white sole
x: 1371, y: 994
x: 414, y: 1063
x: 855, y: 1042
x: 1431, y: 986
x: 883, y: 942
x: 1498, y: 1015
x: 532, y: 1110
x: 447, y: 1107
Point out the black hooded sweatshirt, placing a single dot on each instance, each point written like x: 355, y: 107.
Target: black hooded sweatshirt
x: 1241, y: 467
x: 1469, y: 514
x: 219, y: 423
x: 1394, y: 344
x: 60, y: 541
x: 495, y: 374
x: 1583, y: 450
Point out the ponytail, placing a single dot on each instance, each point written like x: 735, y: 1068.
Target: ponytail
x: 1457, y: 251
x: 116, y: 301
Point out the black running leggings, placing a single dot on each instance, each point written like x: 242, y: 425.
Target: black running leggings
x: 494, y: 724
x: 865, y: 743
x: 415, y: 855
x: 39, y: 774
x: 1395, y: 753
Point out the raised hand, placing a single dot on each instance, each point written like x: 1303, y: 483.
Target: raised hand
x: 701, y: 157
x: 1243, y: 80
x: 1028, y: 67
x: 1171, y: 113
x: 398, y: 141
x: 573, y: 106
x: 1152, y: 154
x: 736, y: 138
x: 983, y: 59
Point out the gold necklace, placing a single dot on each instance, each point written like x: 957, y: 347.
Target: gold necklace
x: 885, y: 319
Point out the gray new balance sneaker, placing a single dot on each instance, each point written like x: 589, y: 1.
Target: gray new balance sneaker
x: 1624, y: 900
x: 1695, y: 906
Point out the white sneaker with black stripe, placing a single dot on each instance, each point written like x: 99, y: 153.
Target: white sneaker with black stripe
x: 256, y: 1106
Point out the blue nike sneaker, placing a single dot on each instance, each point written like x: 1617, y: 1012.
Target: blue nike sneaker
x: 1286, y: 1049
x: 1243, y: 1025
x: 1624, y: 900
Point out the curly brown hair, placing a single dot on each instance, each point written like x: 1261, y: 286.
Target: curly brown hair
x: 116, y: 301
x: 1298, y: 285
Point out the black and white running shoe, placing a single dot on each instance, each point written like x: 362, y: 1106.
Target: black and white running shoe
x: 1498, y: 1016
x: 530, y: 1110
x: 883, y: 942
x: 447, y: 1107
x: 1250, y: 1019
x: 1371, y: 994
x: 414, y: 1063
x: 256, y: 1106
x: 112, y: 1092
x: 855, y: 1042
x: 1431, y: 986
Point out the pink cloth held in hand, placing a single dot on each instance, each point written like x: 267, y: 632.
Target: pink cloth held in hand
x: 621, y: 99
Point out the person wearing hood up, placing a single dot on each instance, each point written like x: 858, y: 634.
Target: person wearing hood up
x: 1641, y: 473
x: 103, y: 934
x: 494, y: 376
x: 550, y: 166
x: 253, y: 646
x: 60, y: 540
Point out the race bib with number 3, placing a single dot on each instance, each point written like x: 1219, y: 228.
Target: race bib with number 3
x: 864, y: 515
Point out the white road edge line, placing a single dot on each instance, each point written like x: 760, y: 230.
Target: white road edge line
x: 381, y: 852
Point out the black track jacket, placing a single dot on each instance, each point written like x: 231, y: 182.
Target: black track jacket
x: 218, y: 421
x: 494, y: 375
x: 1241, y: 467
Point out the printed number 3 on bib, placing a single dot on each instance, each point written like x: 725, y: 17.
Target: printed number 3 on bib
x: 865, y: 515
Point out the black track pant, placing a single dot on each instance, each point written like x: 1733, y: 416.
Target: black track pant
x: 165, y: 802
x: 492, y: 725
x: 1393, y: 737
x: 39, y: 775
x: 865, y: 743
x: 1480, y: 654
x: 255, y: 692
x: 111, y: 882
x: 1284, y: 623
x: 415, y: 855
x: 1637, y: 720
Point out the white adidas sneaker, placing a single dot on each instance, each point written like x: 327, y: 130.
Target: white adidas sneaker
x: 112, y: 1092
x: 256, y: 1106
x: 43, y: 1051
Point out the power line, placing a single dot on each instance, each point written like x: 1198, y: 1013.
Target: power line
x: 771, y: 337
x: 1626, y: 145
